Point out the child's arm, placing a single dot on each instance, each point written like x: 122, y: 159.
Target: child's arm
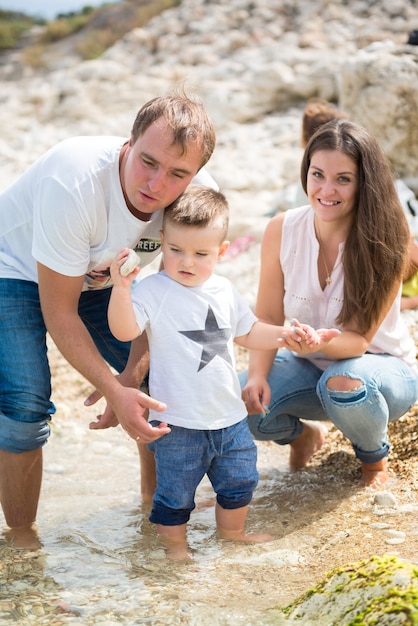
x: 264, y: 336
x: 120, y: 313
x: 315, y: 337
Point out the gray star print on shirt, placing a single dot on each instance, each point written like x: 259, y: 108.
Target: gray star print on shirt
x: 213, y: 339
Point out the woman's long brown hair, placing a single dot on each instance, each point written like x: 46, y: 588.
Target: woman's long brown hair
x: 376, y: 249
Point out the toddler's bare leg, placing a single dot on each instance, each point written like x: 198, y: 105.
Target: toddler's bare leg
x: 175, y: 542
x: 231, y: 523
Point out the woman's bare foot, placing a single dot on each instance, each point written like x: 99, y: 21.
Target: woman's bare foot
x: 303, y: 448
x: 375, y: 474
x: 238, y: 535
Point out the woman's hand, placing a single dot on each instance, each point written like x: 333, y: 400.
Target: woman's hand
x: 256, y: 395
x: 304, y: 339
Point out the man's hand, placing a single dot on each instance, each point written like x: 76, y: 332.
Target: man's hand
x: 107, y: 419
x: 129, y: 408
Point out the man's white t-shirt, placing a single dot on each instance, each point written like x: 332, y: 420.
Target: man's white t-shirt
x: 191, y: 331
x: 67, y: 211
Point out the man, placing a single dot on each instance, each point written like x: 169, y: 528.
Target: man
x: 61, y: 223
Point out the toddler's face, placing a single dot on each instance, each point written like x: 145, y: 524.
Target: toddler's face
x: 190, y: 253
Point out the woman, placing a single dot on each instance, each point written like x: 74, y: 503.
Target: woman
x: 337, y: 262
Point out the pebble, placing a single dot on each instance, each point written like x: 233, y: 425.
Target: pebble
x: 395, y: 537
x: 385, y: 498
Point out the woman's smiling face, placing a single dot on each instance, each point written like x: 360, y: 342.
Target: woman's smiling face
x: 332, y: 184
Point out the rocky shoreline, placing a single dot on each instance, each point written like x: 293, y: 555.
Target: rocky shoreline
x: 254, y: 65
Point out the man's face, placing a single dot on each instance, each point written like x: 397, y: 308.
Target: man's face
x: 153, y: 171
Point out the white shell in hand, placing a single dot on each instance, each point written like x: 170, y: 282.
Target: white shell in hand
x: 130, y: 264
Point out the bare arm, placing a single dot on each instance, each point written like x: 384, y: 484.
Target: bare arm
x: 256, y: 393
x: 349, y: 343
x: 59, y: 297
x: 132, y: 376
x: 413, y: 259
x: 264, y: 336
x: 138, y: 363
x: 121, y: 315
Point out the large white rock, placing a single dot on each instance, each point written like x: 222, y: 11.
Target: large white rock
x: 379, y: 89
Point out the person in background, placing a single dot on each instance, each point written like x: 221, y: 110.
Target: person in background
x: 316, y: 113
x: 336, y: 262
x: 409, y: 204
x: 192, y: 317
x: 409, y: 298
x: 61, y: 224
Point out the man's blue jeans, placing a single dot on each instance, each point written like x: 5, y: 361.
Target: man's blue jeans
x: 25, y: 378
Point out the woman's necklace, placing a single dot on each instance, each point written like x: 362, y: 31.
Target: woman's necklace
x: 321, y: 248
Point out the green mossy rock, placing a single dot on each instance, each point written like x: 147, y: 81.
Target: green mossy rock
x: 381, y: 590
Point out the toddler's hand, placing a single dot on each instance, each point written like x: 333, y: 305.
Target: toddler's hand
x: 306, y: 339
x: 124, y: 267
x: 130, y: 264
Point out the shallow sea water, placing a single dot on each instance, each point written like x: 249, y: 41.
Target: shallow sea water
x: 101, y: 561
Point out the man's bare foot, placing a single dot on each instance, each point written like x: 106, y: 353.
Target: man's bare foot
x: 303, y: 448
x: 239, y: 535
x: 23, y: 538
x: 374, y: 474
